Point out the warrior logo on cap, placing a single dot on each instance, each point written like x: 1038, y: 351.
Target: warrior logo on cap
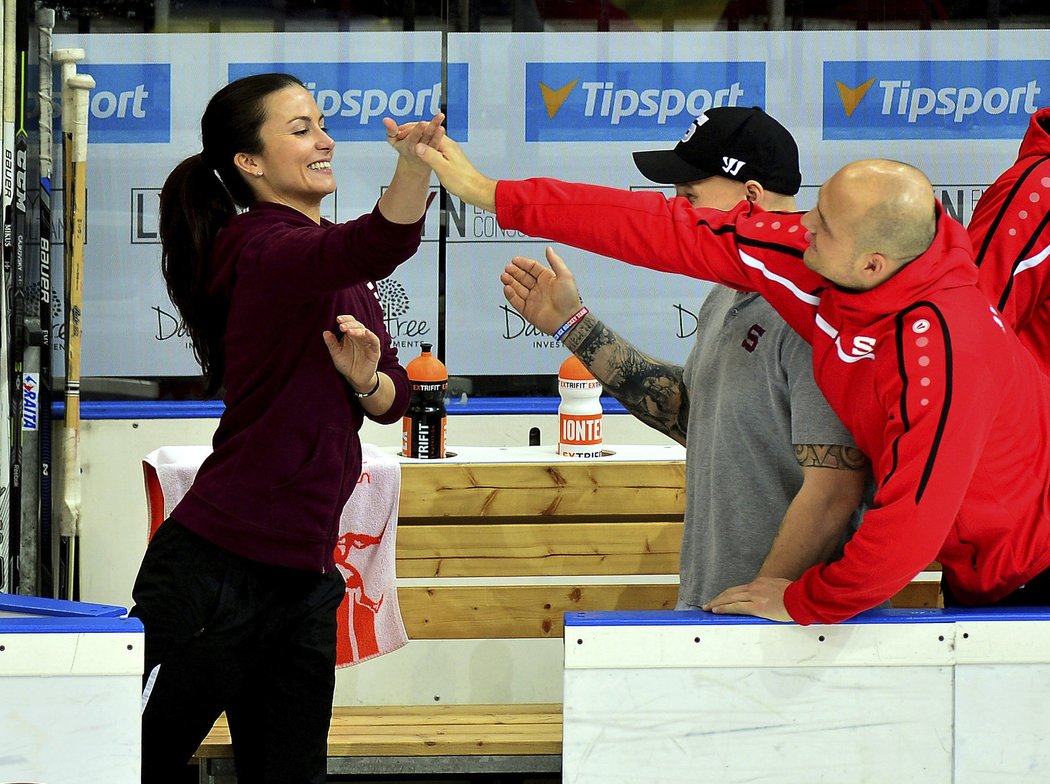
x: 732, y: 166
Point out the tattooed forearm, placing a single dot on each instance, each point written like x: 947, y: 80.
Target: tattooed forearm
x: 651, y: 390
x: 848, y: 458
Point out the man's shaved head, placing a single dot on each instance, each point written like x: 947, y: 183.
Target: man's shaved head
x: 896, y: 208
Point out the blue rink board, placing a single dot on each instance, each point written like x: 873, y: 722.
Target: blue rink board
x: 701, y: 618
x: 58, y: 616
x: 208, y: 409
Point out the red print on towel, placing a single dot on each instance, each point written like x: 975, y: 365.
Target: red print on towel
x: 357, y: 613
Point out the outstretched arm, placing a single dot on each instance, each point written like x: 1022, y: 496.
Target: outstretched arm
x: 457, y: 173
x: 547, y: 297
x: 406, y: 198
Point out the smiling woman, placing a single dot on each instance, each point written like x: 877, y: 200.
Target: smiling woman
x: 238, y: 589
x: 294, y: 167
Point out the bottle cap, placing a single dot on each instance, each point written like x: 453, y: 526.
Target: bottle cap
x: 426, y: 367
x: 573, y: 369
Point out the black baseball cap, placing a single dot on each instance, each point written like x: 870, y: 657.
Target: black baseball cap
x: 729, y: 141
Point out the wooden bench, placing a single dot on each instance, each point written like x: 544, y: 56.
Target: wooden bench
x: 417, y: 739
x: 617, y: 524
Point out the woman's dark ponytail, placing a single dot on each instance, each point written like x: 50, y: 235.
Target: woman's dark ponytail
x: 198, y: 198
x: 194, y: 206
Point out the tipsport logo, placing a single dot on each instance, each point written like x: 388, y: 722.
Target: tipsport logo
x: 131, y: 103
x: 938, y: 99
x: 651, y: 101
x: 355, y: 97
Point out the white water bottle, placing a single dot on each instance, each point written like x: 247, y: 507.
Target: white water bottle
x: 580, y: 411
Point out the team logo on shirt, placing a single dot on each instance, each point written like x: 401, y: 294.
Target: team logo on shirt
x: 932, y: 99
x: 750, y: 342
x: 863, y: 346
x: 631, y: 101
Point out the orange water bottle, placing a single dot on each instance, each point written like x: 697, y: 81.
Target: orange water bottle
x: 424, y: 424
x: 580, y: 412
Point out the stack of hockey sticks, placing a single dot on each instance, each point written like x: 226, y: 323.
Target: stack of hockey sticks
x: 32, y: 560
x: 16, y: 229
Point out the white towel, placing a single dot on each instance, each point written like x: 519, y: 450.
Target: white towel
x: 369, y: 617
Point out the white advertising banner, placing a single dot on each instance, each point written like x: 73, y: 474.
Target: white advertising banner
x: 954, y: 103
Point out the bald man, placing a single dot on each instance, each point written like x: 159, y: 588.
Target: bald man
x: 951, y: 409
x: 745, y: 403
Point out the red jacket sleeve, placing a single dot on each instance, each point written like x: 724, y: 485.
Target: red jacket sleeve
x: 1010, y: 231
x: 643, y: 228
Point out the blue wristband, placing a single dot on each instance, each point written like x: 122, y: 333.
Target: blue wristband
x: 575, y: 319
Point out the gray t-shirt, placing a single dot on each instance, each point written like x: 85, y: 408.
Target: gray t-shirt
x: 752, y: 396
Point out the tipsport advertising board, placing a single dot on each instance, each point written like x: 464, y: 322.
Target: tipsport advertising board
x: 954, y: 103
x: 920, y: 100
x: 145, y: 117
x: 577, y: 113
x: 526, y: 105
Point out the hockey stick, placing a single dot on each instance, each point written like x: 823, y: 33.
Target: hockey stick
x: 68, y: 59
x: 6, y: 203
x: 36, y: 399
x: 15, y: 284
x: 79, y: 85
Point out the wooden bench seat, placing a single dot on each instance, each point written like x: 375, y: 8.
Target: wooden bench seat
x: 426, y: 739
x: 470, y: 537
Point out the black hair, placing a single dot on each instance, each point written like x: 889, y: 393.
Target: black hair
x: 199, y: 196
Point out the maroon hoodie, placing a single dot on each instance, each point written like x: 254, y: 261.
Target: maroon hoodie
x: 287, y: 453
x: 1010, y: 231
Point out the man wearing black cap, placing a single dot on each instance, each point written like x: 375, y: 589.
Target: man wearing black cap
x: 773, y: 478
x: 728, y: 145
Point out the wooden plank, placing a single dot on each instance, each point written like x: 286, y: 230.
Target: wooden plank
x: 538, y: 549
x: 428, y: 730
x: 444, y: 712
x: 527, y: 611
x: 517, y: 611
x: 919, y: 594
x: 522, y: 490
x: 479, y: 740
x: 475, y: 740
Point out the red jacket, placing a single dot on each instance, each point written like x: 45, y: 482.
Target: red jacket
x: 1010, y: 231
x: 952, y: 410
